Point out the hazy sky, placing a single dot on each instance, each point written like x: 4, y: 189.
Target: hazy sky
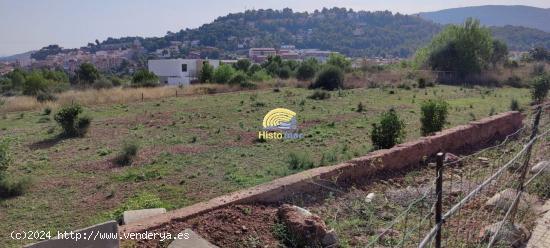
x: 31, y: 24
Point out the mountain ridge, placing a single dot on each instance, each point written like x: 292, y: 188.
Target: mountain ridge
x: 494, y: 15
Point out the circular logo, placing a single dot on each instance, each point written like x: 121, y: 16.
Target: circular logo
x: 280, y: 119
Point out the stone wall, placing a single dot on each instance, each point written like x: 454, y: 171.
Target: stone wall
x: 399, y: 157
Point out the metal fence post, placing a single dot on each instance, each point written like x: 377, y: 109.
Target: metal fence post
x: 438, y: 204
x: 525, y: 165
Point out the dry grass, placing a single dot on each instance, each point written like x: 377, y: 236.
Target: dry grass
x: 91, y: 97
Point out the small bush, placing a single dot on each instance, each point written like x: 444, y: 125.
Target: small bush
x: 116, y: 81
x: 144, y: 78
x: 434, y: 116
x: 299, y: 161
x: 330, y: 78
x: 319, y: 95
x: 44, y: 96
x: 73, y: 125
x: 360, y: 107
x: 539, y: 88
x: 239, y: 78
x: 514, y: 105
x: 389, y: 131
x: 260, y: 76
x: 14, y: 187
x: 47, y: 111
x: 284, y: 72
x: 538, y: 70
x: 421, y: 83
x: 82, y: 125
x: 102, y: 83
x: 140, y: 201
x: 305, y: 71
x: 128, y: 153
x: 514, y: 81
x: 223, y: 74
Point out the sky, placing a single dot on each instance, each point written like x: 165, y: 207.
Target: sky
x: 31, y: 24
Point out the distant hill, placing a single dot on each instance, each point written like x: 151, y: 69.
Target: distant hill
x: 521, y: 38
x: 494, y: 15
x: 354, y: 33
x: 338, y: 29
x: 15, y: 57
x: 361, y: 33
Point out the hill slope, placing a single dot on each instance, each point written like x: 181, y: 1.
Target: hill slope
x: 494, y: 15
x: 353, y: 33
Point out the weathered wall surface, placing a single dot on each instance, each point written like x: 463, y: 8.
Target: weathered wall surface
x: 396, y: 158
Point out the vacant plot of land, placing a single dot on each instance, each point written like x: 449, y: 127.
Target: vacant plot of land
x: 196, y: 148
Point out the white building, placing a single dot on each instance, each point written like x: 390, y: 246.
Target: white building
x: 178, y: 71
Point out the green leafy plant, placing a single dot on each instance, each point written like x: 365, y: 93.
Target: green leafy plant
x: 129, y: 151
x: 70, y: 121
x: 539, y: 88
x: 319, y: 95
x: 330, y: 78
x: 389, y: 131
x: 300, y: 161
x: 514, y: 105
x: 434, y: 116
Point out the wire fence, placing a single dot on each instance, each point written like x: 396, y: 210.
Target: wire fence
x: 488, y: 205
x: 479, y: 200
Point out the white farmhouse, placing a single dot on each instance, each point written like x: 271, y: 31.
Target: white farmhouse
x: 178, y: 71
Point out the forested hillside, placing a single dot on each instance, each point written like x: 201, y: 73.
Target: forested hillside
x: 343, y: 30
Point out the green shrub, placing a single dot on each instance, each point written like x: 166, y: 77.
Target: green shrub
x: 538, y: 69
x: 421, y: 83
x: 434, y: 116
x: 306, y: 71
x: 116, y: 81
x: 223, y: 74
x: 539, y: 88
x: 47, y: 111
x: 284, y: 72
x: 14, y: 186
x: 142, y: 200
x: 514, y: 105
x: 360, y: 107
x: 514, y: 81
x: 144, y: 78
x: 242, y: 65
x: 82, y: 125
x: 102, y: 83
x: 73, y: 125
x: 247, y: 85
x: 238, y: 78
x: 44, y: 96
x: 260, y: 76
x: 299, y: 161
x: 207, y: 73
x: 389, y: 131
x: 319, y: 95
x: 128, y: 153
x: 330, y: 78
